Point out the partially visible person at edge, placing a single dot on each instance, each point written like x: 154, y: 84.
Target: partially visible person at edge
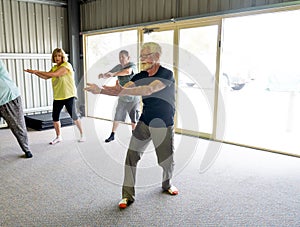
x: 11, y: 109
x: 126, y: 104
x: 64, y: 91
x: 156, y: 85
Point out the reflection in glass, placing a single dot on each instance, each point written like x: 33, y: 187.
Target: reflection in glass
x: 265, y: 52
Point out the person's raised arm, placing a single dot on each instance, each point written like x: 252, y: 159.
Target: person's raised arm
x: 130, y: 89
x: 123, y: 72
x: 110, y: 90
x: 32, y: 71
x: 143, y: 90
x: 47, y: 75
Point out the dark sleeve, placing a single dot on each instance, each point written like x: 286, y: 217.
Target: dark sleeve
x: 137, y: 76
x: 166, y: 77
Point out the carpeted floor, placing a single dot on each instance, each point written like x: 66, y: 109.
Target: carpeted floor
x: 79, y: 184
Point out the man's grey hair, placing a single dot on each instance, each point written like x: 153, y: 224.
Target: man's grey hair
x: 153, y: 47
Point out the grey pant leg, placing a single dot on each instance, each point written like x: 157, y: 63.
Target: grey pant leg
x: 134, y: 112
x: 163, y: 140
x: 12, y: 112
x: 138, y: 143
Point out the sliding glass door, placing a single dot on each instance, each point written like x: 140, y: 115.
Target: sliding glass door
x: 102, y: 51
x: 191, y: 53
x: 261, y: 60
x: 196, y: 79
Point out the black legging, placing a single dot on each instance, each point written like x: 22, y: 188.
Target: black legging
x: 70, y: 106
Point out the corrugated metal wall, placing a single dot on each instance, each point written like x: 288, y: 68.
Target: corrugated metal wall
x: 101, y: 14
x: 29, y: 31
x: 28, y: 34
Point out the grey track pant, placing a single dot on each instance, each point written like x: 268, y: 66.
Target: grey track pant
x: 163, y: 140
x: 12, y: 113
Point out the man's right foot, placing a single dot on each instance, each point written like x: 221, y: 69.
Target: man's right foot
x: 110, y: 138
x: 28, y: 154
x: 124, y: 203
x: 56, y: 140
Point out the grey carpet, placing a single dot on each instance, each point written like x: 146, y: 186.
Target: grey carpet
x: 79, y: 184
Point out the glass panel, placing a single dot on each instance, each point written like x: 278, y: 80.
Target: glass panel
x: 197, y: 66
x: 102, y: 54
x: 261, y: 90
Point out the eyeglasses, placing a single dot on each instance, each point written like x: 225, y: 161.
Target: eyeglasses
x: 146, y: 55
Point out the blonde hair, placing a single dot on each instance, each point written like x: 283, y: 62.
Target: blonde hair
x: 59, y: 51
x: 153, y: 47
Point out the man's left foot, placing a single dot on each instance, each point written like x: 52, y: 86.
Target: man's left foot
x: 173, y: 190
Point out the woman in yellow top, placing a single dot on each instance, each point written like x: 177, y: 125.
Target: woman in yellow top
x: 64, y: 91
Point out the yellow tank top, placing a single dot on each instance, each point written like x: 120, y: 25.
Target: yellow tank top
x: 64, y: 86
